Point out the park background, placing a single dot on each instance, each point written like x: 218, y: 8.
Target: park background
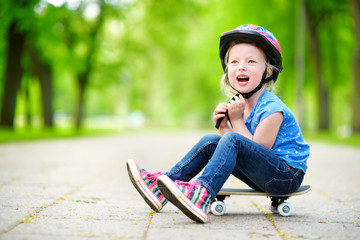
x: 72, y: 67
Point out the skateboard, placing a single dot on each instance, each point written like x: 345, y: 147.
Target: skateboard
x: 278, y: 204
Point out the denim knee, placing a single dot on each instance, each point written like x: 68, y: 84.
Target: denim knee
x: 211, y: 137
x: 230, y: 136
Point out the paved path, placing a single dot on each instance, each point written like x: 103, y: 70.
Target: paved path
x: 79, y: 189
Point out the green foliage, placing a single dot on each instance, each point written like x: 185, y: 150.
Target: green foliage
x: 161, y: 57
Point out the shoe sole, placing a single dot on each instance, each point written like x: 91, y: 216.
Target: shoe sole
x: 141, y: 186
x: 173, y: 194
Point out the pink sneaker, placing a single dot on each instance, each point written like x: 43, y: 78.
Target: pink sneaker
x: 191, y: 198
x: 145, y: 184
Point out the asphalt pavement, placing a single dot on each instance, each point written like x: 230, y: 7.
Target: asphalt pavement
x: 79, y: 189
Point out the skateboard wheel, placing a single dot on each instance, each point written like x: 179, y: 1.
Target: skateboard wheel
x: 218, y: 208
x: 285, y: 209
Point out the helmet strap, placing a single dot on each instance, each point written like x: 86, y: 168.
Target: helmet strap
x: 263, y: 81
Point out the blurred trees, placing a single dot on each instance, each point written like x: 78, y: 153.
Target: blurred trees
x: 322, y: 91
x: 13, y: 73
x: 85, y: 59
x: 355, y: 6
x: 326, y: 18
x: 89, y: 38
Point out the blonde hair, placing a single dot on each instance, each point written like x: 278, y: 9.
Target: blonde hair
x: 224, y: 82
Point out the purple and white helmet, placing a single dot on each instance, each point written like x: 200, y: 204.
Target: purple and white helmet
x: 258, y: 35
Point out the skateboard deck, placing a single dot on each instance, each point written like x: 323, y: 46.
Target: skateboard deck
x: 251, y: 192
x: 278, y: 204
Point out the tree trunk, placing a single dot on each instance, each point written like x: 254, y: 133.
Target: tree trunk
x: 300, y: 60
x: 13, y: 75
x: 82, y: 81
x: 322, y: 91
x: 355, y: 5
x: 83, y: 77
x: 47, y: 95
x: 43, y: 71
x: 28, y: 117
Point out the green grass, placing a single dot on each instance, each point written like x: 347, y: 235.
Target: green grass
x: 331, y: 137
x: 31, y: 134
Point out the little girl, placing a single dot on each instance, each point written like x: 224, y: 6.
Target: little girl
x: 260, y: 141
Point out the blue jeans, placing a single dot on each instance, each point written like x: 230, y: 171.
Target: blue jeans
x: 232, y: 153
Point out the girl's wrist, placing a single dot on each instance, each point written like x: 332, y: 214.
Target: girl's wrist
x: 224, y: 129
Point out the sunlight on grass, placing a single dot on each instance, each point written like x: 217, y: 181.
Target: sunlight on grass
x: 331, y: 137
x: 29, y: 134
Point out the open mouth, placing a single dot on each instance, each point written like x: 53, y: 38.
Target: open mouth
x: 242, y: 79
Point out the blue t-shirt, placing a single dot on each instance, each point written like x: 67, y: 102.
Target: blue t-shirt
x: 289, y: 144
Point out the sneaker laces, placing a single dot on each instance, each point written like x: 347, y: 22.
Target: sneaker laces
x: 190, y: 185
x: 154, y: 176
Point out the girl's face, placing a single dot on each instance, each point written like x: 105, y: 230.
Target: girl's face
x: 246, y: 66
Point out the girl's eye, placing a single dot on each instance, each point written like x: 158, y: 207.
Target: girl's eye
x: 234, y: 61
x: 252, y: 61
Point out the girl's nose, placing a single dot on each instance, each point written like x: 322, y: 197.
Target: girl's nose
x: 241, y: 66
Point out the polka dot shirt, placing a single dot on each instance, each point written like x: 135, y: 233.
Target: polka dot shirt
x: 289, y: 145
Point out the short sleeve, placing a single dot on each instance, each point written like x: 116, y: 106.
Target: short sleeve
x: 269, y: 108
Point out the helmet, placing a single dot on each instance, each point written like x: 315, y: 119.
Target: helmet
x: 258, y: 35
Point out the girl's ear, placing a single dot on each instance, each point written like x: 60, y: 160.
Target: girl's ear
x: 269, y: 72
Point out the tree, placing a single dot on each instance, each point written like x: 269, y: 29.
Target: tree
x: 13, y: 74
x: 83, y: 76
x: 299, y: 67
x: 356, y: 67
x: 322, y: 92
x: 81, y: 40
x: 18, y: 32
x: 43, y: 71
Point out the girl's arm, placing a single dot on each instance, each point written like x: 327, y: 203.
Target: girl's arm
x: 266, y: 132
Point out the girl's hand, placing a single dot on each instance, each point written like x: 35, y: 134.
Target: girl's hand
x: 236, y: 108
x: 220, y: 112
